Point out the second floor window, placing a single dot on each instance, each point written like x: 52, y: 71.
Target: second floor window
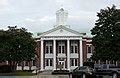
x: 89, y: 49
x: 61, y: 49
x: 49, y: 49
x: 73, y: 49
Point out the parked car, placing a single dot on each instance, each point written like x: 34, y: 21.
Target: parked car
x: 84, y: 70
x: 107, y: 69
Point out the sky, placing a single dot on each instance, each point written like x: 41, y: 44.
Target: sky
x: 39, y: 15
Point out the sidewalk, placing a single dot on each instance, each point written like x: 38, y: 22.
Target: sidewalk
x: 47, y: 74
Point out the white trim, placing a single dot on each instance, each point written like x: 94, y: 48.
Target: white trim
x: 38, y: 40
x: 68, y: 54
x: 54, y: 52
x: 89, y: 55
x: 81, y: 53
x: 62, y: 38
x: 42, y: 55
x: 61, y: 27
x: 89, y: 44
x: 73, y: 55
x: 49, y: 55
x: 88, y: 40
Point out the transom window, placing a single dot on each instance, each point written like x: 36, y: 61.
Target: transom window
x: 74, y: 62
x: 49, y: 62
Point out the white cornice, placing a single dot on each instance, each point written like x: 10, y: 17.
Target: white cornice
x: 61, y: 27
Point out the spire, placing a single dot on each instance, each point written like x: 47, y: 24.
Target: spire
x: 61, y: 17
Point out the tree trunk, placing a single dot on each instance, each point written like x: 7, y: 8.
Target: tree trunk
x: 11, y: 68
x: 23, y: 65
x: 29, y: 65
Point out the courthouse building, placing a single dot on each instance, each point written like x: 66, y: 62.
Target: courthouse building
x: 62, y: 46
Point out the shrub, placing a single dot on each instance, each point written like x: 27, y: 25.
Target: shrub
x: 5, y: 69
x: 60, y: 72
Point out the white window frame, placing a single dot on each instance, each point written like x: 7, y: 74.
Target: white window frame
x: 74, y: 45
x: 49, y: 62
x: 74, y: 62
x: 49, y: 44
x: 61, y: 44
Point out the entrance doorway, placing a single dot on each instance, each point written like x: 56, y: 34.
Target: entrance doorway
x: 61, y: 65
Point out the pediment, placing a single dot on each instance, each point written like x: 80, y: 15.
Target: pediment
x: 61, y: 31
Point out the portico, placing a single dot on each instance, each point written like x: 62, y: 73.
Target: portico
x: 64, y: 52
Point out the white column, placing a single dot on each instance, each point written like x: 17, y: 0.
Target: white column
x: 54, y: 51
x: 41, y: 54
x: 81, y: 53
x: 68, y: 54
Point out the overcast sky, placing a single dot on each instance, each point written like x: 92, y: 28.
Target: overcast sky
x: 39, y: 15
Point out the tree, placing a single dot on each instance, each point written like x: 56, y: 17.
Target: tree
x: 106, y: 35
x: 17, y: 45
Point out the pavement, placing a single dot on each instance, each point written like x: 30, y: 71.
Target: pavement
x: 45, y: 74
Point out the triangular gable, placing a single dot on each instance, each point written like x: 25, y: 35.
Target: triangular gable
x: 61, y: 31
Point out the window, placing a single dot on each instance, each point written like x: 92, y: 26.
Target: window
x: 48, y: 47
x: 76, y: 49
x: 49, y: 62
x: 74, y: 62
x: 63, y: 49
x: 34, y: 63
x: 47, y: 51
x: 51, y: 49
x: 59, y: 49
x: 71, y: 49
x: 89, y: 49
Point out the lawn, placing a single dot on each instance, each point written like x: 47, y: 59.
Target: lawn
x: 18, y: 73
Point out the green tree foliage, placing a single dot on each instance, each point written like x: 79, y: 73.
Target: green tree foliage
x: 106, y: 33
x: 16, y: 45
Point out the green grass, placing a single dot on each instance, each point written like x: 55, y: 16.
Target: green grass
x: 18, y: 73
